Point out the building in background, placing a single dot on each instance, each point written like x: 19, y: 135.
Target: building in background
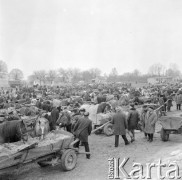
x: 160, y: 80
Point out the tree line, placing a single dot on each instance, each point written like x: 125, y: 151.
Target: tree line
x: 14, y: 75
x: 75, y: 75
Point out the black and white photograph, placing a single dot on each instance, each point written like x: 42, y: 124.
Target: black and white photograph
x: 90, y: 89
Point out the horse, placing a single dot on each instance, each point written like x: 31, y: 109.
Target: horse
x: 13, y: 131
x: 41, y: 127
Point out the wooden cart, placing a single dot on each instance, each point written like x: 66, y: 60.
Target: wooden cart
x: 45, y: 152
x: 170, y: 125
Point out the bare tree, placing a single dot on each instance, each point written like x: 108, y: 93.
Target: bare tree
x: 136, y: 73
x: 63, y: 74
x: 40, y: 75
x: 16, y: 74
x: 95, y: 72
x: 69, y: 74
x: 173, y: 70
x: 76, y: 75
x: 51, y: 76
x: 114, y: 72
x: 86, y: 76
x: 157, y: 69
x: 113, y: 75
x: 3, y: 69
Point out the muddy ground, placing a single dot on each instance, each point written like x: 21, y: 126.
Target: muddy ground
x: 102, y: 148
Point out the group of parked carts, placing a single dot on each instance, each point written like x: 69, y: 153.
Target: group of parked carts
x: 61, y: 151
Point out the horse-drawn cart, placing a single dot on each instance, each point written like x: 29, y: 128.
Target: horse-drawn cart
x: 56, y: 148
x: 170, y: 125
x: 100, y: 121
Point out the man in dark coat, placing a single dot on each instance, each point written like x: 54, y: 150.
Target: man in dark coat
x: 38, y: 104
x: 78, y: 114
x: 54, y: 118
x: 133, y: 119
x: 82, y: 130
x: 120, y: 125
x: 169, y: 103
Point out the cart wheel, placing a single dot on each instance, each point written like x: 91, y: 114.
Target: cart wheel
x: 164, y: 136
x: 108, y: 129
x: 68, y: 160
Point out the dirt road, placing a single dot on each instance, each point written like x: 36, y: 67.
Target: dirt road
x: 102, y: 148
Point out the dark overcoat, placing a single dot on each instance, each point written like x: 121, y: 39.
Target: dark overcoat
x: 54, y: 118
x: 119, y: 123
x: 38, y: 104
x: 82, y: 129
x: 133, y: 119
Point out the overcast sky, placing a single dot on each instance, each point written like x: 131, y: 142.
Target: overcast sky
x: 126, y: 34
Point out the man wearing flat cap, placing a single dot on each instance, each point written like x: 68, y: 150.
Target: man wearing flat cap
x: 78, y: 114
x: 132, y: 120
x: 150, y: 121
x: 82, y: 130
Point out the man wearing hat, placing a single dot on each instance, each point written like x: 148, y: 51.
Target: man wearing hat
x: 82, y: 130
x: 78, y: 114
x: 133, y: 119
x: 17, y: 105
x: 38, y: 103
x: 142, y: 118
x: 120, y: 125
x: 150, y: 121
x: 54, y: 118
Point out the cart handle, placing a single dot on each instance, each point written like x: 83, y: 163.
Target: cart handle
x: 100, y: 127
x: 80, y: 152
x: 73, y: 143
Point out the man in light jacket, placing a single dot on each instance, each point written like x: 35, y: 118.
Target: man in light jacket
x: 178, y: 100
x: 150, y: 121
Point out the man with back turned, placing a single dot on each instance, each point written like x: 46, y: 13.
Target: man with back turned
x: 120, y: 125
x: 82, y: 130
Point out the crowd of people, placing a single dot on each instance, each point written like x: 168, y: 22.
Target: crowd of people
x: 76, y: 120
